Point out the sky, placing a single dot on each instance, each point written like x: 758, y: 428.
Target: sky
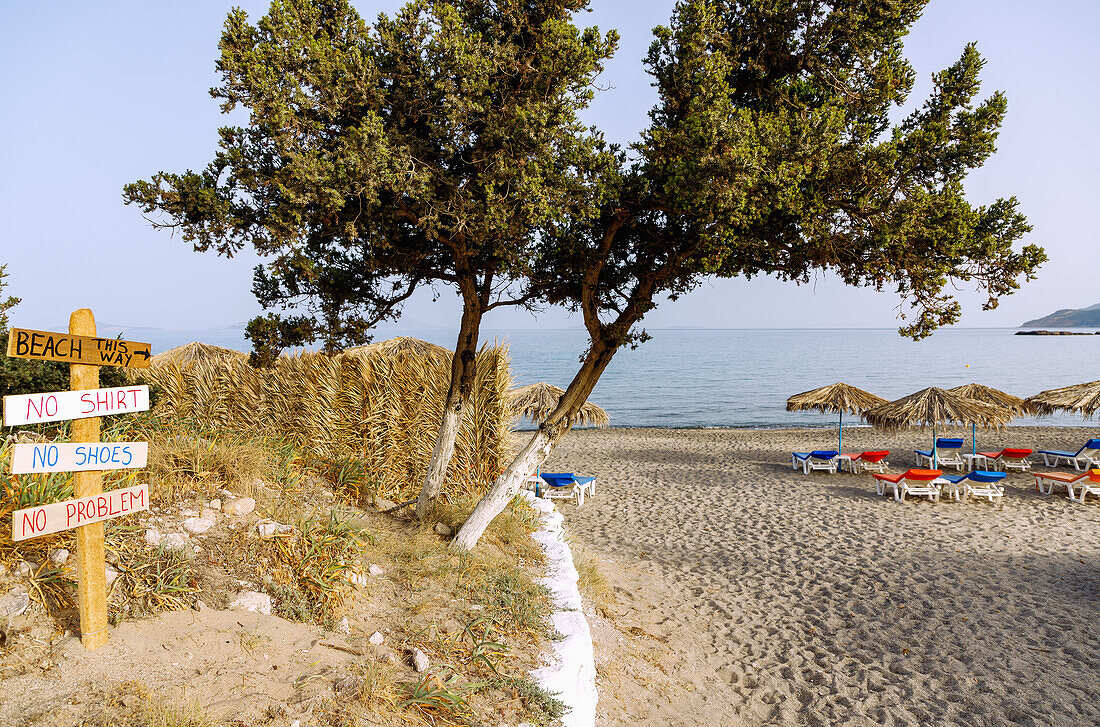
x: 95, y: 95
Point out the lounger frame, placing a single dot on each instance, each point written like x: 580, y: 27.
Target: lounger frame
x: 576, y: 491
x: 1083, y: 460
x: 811, y: 463
x: 1003, y: 462
x: 1076, y: 487
x: 930, y: 488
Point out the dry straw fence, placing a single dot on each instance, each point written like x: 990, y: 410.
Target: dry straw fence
x: 380, y: 404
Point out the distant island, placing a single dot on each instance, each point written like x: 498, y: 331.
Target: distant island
x: 1069, y: 318
x: 1058, y: 333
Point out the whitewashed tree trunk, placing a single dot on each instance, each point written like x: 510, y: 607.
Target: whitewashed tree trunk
x: 441, y: 458
x: 504, y: 488
x: 463, y: 371
x: 538, y: 448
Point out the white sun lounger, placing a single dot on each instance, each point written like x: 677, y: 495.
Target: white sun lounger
x: 566, y: 485
x: 948, y: 453
x: 918, y: 483
x: 1084, y: 458
x: 1077, y: 486
x: 823, y: 460
x: 977, y: 484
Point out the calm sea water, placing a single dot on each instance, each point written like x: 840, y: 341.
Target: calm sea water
x: 742, y: 378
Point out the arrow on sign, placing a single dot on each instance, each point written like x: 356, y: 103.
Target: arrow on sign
x: 86, y: 350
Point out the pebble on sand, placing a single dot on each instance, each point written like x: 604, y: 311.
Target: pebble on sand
x: 252, y: 601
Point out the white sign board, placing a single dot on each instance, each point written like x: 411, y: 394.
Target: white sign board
x: 77, y: 457
x: 58, y: 406
x: 58, y: 516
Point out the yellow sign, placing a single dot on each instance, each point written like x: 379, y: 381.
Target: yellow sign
x: 46, y: 346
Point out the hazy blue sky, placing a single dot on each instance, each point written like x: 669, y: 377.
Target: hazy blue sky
x: 94, y: 95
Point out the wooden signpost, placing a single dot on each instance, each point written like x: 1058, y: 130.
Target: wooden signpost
x: 85, y: 455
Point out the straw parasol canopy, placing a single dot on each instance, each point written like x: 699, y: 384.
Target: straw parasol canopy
x: 996, y: 397
x: 839, y: 398
x: 1083, y: 399
x: 989, y: 395
x: 402, y: 345
x: 191, y: 353
x: 537, y: 401
x: 934, y: 406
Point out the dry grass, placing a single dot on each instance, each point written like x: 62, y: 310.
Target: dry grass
x: 133, y: 704
x: 510, y: 531
x: 149, y: 581
x: 481, y: 617
x: 378, y: 405
x: 593, y: 584
x: 377, y: 689
x: 183, y: 464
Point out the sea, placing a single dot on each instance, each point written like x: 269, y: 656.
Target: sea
x: 684, y: 378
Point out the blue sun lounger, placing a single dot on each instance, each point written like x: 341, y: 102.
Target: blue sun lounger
x: 566, y: 485
x: 947, y: 454
x: 978, y: 483
x: 1086, y: 457
x: 820, y: 459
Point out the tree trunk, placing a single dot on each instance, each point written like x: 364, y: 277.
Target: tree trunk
x: 463, y: 370
x: 538, y: 449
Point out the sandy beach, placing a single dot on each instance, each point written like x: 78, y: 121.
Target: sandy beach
x: 761, y: 596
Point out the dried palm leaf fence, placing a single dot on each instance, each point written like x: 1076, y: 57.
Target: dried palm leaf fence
x: 380, y: 404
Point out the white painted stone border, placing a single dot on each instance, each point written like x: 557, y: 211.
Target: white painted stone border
x: 571, y: 673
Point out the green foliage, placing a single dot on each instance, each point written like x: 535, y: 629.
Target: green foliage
x: 316, y: 565
x: 433, y: 695
x: 377, y: 159
x: 543, y: 706
x: 511, y: 599
x: 5, y: 305
x: 771, y: 152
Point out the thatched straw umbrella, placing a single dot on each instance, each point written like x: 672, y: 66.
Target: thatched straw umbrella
x: 191, y: 353
x: 989, y: 395
x: 932, y: 407
x: 839, y: 397
x: 1083, y: 399
x: 403, y: 345
x: 537, y: 401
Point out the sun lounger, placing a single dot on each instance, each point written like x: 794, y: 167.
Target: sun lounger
x: 978, y: 483
x: 1009, y: 459
x: 825, y: 460
x: 1084, y: 483
x: 568, y: 486
x: 948, y: 454
x: 920, y: 483
x: 1084, y: 458
x: 867, y: 461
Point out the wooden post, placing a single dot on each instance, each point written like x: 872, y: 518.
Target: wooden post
x: 90, y: 556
